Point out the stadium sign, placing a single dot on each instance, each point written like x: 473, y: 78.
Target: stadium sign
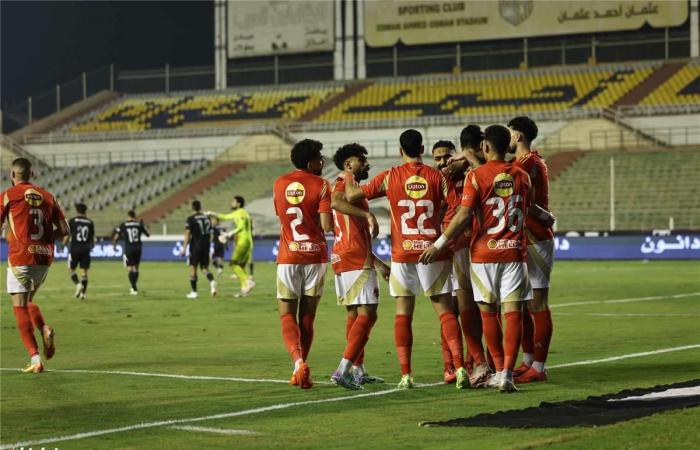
x: 277, y: 27
x: 433, y: 22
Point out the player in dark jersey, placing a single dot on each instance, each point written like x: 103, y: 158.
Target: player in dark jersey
x: 131, y: 231
x: 198, y: 232
x: 82, y: 240
x: 217, y: 258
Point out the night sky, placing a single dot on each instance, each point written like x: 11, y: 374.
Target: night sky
x: 43, y: 43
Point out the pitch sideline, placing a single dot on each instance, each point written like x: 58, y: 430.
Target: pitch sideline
x: 280, y: 406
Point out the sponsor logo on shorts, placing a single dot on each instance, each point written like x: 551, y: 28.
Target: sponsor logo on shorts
x: 34, y: 198
x: 409, y: 245
x: 39, y: 250
x: 503, y: 244
x: 416, y: 187
x: 503, y: 184
x: 304, y: 247
x: 295, y: 193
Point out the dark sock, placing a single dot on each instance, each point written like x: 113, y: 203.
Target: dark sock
x: 250, y: 266
x: 74, y: 278
x: 84, y: 282
x: 210, y: 277
x: 132, y: 280
x: 136, y: 279
x: 193, y: 283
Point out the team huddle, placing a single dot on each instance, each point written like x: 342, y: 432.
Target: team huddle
x: 473, y: 234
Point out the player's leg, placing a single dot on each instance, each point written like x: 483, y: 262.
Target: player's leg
x: 538, y: 316
x: 484, y: 280
x: 470, y: 318
x: 22, y: 281
x: 289, y: 292
x: 238, y: 261
x: 192, y: 268
x: 38, y: 322
x: 359, y: 370
x: 449, y: 373
x: 72, y: 265
x: 204, y: 267
x: 313, y: 280
x: 84, y: 267
x: 403, y: 286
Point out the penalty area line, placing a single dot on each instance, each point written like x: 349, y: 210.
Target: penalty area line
x: 281, y: 406
x: 625, y: 300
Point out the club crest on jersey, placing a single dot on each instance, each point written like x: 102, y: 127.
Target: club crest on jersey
x: 416, y: 187
x: 295, y: 193
x: 33, y: 197
x: 503, y: 184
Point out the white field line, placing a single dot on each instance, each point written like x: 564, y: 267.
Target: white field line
x: 626, y: 300
x: 72, y: 288
x: 168, y: 375
x: 280, y: 406
x: 652, y: 315
x: 215, y: 430
x: 630, y: 355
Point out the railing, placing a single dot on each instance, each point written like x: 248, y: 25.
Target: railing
x: 646, y: 137
x: 656, y: 110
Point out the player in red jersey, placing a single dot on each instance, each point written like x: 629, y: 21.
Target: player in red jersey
x: 31, y: 213
x: 354, y: 266
x: 497, y: 193
x: 302, y: 202
x: 415, y: 193
x: 470, y: 319
x: 537, y: 323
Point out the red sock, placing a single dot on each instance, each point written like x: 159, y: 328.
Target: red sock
x: 403, y: 336
x: 471, y: 327
x: 528, y: 334
x: 446, y: 354
x: 361, y: 357
x: 359, y: 335
x: 494, y: 338
x: 35, y: 315
x: 514, y: 330
x: 349, y: 321
x: 543, y: 334
x: 453, y: 336
x: 26, y: 331
x: 306, y: 337
x: 290, y: 334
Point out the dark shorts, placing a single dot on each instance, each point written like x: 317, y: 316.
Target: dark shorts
x: 132, y: 257
x: 79, y: 258
x: 199, y: 257
x: 219, y: 252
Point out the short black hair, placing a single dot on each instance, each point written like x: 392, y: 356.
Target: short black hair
x: 411, y: 142
x: 525, y: 125
x: 347, y: 151
x: 304, y: 152
x: 240, y: 200
x: 131, y: 213
x: 24, y: 166
x: 81, y: 208
x: 499, y: 137
x: 471, y: 137
x: 196, y: 205
x: 444, y: 143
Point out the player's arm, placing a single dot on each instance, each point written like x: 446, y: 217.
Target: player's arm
x: 462, y: 159
x: 66, y: 239
x: 229, y: 216
x: 341, y: 205
x: 324, y: 208
x: 62, y: 229
x: 144, y: 230
x: 382, y: 267
x: 326, y: 222
x: 460, y: 222
x: 185, y: 241
x: 91, y: 235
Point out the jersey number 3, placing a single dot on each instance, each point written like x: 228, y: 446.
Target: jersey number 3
x: 38, y: 219
x: 515, y: 214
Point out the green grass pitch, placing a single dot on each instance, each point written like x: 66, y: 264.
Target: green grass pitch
x: 102, y: 342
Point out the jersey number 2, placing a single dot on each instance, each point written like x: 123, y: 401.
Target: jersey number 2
x: 411, y: 213
x: 296, y: 211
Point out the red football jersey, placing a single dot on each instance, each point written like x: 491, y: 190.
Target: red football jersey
x: 31, y: 213
x: 534, y: 165
x: 454, y: 198
x: 299, y: 198
x: 352, y: 249
x: 498, y: 193
x: 415, y: 192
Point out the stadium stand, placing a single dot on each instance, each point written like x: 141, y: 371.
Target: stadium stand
x: 138, y: 113
x: 650, y: 187
x: 682, y: 88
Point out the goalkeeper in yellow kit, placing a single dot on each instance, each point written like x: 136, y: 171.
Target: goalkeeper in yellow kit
x: 243, y: 251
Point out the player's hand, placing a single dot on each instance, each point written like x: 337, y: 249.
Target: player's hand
x: 429, y: 255
x: 209, y: 213
x: 454, y: 167
x: 373, y: 225
x: 456, y: 158
x: 223, y: 238
x: 182, y: 252
x: 385, y: 272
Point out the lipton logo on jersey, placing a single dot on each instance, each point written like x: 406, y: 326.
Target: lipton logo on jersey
x: 409, y: 245
x: 33, y: 197
x: 503, y: 184
x: 502, y: 244
x: 304, y: 247
x: 295, y: 193
x: 416, y: 187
